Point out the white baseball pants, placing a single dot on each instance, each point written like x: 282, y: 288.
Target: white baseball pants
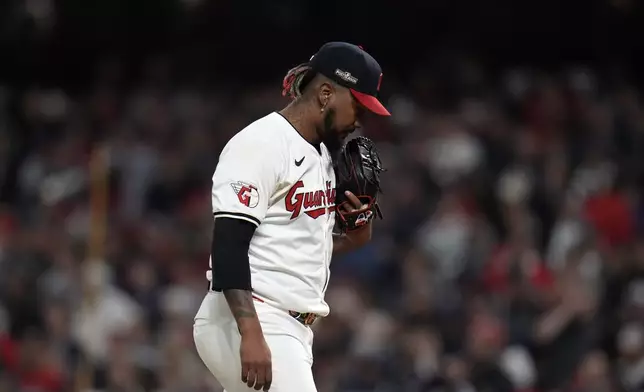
x: 217, y: 340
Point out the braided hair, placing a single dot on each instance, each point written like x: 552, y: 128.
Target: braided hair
x: 296, y: 80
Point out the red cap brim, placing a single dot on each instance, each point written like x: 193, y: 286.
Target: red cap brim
x: 371, y: 103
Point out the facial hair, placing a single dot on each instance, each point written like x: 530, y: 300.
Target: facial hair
x: 329, y: 135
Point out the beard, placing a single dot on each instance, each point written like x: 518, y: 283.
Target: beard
x: 330, y: 135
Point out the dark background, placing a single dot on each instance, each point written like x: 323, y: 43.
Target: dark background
x: 511, y: 256
x: 234, y: 39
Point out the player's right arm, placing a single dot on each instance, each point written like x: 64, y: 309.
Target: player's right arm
x: 244, y: 181
x: 231, y: 271
x: 231, y: 274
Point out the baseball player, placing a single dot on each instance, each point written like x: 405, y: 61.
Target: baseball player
x: 273, y: 200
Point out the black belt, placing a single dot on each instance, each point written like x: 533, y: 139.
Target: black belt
x: 306, y: 319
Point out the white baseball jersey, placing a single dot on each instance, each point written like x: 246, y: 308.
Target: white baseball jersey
x: 269, y: 175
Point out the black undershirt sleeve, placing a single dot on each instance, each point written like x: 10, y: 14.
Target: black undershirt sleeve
x: 230, y: 241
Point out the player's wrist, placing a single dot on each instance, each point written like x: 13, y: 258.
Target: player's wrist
x: 361, y: 235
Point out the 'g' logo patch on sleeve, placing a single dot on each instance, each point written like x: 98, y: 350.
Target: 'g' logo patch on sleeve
x: 246, y: 193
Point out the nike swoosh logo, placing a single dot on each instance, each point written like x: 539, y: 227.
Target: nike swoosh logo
x: 298, y: 163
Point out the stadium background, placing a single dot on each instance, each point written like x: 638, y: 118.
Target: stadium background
x: 511, y: 255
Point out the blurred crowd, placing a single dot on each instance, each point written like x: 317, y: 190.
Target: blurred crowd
x: 510, y: 256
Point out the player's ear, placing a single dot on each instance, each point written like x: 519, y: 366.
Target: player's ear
x: 325, y: 95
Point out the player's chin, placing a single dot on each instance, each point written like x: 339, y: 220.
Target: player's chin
x: 344, y: 135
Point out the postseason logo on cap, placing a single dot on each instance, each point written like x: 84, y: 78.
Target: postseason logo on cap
x: 346, y: 76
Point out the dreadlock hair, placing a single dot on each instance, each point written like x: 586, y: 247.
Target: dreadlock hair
x: 296, y: 80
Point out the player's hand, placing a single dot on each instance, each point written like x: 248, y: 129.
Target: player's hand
x: 361, y: 236
x: 257, y: 368
x: 354, y: 205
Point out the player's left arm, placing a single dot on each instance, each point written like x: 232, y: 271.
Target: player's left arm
x: 355, y: 239
x: 351, y: 241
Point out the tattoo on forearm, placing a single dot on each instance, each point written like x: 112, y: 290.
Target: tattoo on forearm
x: 240, y: 303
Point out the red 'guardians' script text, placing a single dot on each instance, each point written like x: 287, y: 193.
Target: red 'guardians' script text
x: 313, y: 203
